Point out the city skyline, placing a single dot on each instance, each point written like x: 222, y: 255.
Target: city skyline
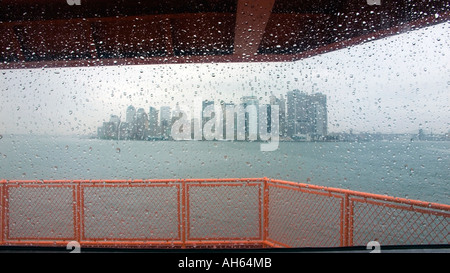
x: 303, y: 117
x: 163, y: 119
x: 392, y: 85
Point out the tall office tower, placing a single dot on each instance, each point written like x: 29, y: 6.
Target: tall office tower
x: 297, y: 113
x: 141, y: 124
x: 130, y: 120
x: 109, y: 130
x: 165, y: 116
x: 307, y: 115
x: 100, y: 132
x: 124, y: 131
x: 318, y: 115
x: 282, y: 119
x: 114, y: 122
x: 281, y: 102
x: 114, y: 119
x: 290, y: 114
x: 153, y: 124
x: 131, y: 114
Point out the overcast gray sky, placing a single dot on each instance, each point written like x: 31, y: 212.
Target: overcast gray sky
x: 397, y: 84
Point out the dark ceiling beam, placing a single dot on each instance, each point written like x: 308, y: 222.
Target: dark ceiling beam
x: 145, y: 61
x: 251, y: 21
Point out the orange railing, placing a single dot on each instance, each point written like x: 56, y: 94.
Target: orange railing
x: 238, y: 213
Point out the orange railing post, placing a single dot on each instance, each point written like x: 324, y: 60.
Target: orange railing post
x: 2, y: 211
x: 350, y: 222
x: 183, y: 213
x: 5, y: 211
x: 77, y: 211
x: 265, y: 215
x: 347, y: 220
x: 343, y: 225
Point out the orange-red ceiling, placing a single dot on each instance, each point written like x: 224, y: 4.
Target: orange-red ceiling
x: 52, y: 33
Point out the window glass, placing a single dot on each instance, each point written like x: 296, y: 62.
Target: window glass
x: 381, y: 127
x: 224, y: 123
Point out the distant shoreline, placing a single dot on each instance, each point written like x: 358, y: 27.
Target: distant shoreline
x: 343, y: 137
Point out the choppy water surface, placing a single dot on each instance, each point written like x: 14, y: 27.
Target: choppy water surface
x: 416, y: 170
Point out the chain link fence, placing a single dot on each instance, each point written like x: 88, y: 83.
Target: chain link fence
x: 211, y: 213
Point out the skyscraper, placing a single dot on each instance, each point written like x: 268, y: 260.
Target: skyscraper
x: 306, y: 115
x: 318, y: 115
x: 153, y: 124
x: 115, y: 119
x: 141, y: 124
x: 281, y: 102
x: 297, y: 117
x: 129, y: 127
x: 282, y: 120
x: 131, y: 114
x: 110, y: 129
x: 165, y: 121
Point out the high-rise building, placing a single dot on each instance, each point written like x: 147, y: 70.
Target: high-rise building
x: 130, y: 123
x: 153, y: 124
x: 165, y: 116
x: 110, y: 129
x: 100, y: 132
x: 115, y: 119
x: 131, y: 114
x: 281, y: 102
x: 318, y: 115
x: 296, y: 113
x: 306, y: 115
x: 282, y: 119
x: 141, y: 124
x: 124, y: 131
